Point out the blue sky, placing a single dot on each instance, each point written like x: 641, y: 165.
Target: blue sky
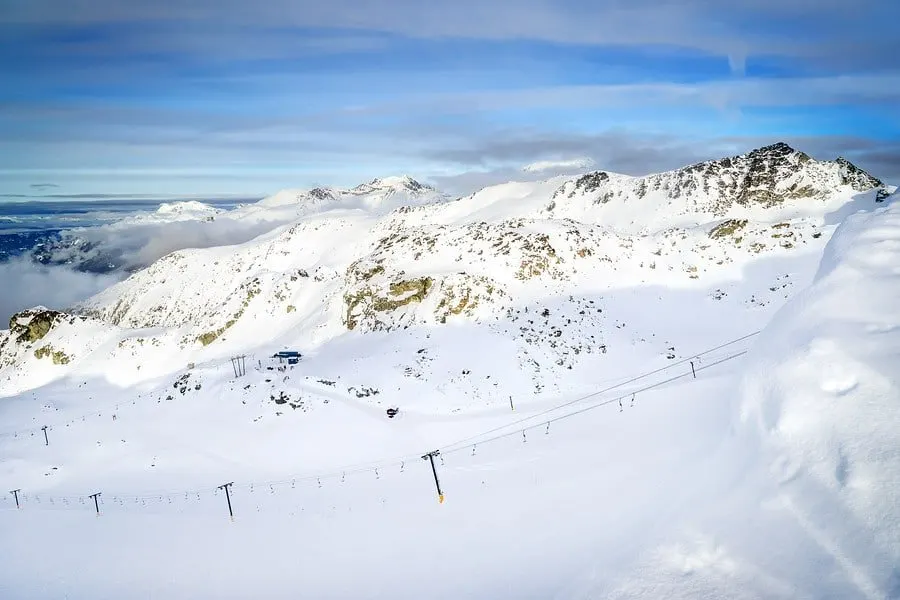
x: 229, y: 97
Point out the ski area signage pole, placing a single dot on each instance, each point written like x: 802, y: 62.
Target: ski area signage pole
x: 226, y: 486
x: 46, y: 440
x: 430, y: 458
x: 15, y: 494
x: 96, y: 498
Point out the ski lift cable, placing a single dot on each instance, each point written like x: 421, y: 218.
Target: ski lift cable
x: 467, y: 441
x: 456, y: 447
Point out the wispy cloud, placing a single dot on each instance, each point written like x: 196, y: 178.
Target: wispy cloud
x: 739, y: 29
x: 545, y: 166
x: 246, y: 98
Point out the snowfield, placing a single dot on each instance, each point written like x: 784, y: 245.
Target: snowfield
x: 677, y: 386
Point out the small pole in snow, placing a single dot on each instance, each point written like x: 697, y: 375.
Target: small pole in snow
x: 15, y: 494
x: 46, y: 439
x: 511, y: 407
x: 430, y: 458
x: 96, y: 497
x: 226, y: 487
x: 692, y: 370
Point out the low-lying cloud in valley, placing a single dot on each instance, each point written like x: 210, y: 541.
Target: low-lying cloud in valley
x: 85, y: 260
x: 130, y: 246
x: 27, y: 284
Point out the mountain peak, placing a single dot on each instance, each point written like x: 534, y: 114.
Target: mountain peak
x: 777, y: 150
x: 398, y: 182
x: 859, y: 179
x: 767, y: 177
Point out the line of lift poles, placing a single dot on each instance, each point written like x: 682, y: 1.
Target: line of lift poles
x: 227, y: 486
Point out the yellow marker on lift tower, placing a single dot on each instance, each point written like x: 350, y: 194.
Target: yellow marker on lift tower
x: 430, y: 458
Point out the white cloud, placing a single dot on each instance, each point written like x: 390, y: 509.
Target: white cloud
x: 27, y: 284
x: 122, y: 247
x: 136, y: 242
x: 543, y: 166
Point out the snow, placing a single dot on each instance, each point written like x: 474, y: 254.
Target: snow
x: 825, y: 396
x: 617, y: 473
x: 378, y: 196
x: 191, y: 207
x: 811, y: 509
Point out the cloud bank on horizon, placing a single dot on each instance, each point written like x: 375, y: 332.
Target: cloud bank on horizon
x: 222, y: 96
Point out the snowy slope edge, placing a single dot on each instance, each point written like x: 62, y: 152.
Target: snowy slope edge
x: 822, y: 393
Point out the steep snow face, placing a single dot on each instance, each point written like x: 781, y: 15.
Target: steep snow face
x: 774, y: 182
x: 823, y: 394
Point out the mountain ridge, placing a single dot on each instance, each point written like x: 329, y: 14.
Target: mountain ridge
x: 767, y: 177
x: 397, y: 254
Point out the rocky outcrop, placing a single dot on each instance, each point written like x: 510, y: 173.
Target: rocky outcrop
x: 856, y: 178
x: 372, y: 304
x: 727, y: 228
x: 58, y: 356
x: 29, y: 326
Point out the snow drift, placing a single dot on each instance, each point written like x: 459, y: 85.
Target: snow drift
x: 801, y: 498
x: 823, y: 393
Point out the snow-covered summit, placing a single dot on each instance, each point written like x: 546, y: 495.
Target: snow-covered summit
x: 379, y: 195
x: 318, y: 198
x: 394, y: 183
x: 771, y: 182
x: 188, y: 207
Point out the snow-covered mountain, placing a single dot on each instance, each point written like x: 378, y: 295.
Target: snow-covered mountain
x: 777, y: 178
x: 394, y: 253
x: 584, y: 352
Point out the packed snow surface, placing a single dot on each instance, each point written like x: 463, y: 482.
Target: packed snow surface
x: 677, y: 386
